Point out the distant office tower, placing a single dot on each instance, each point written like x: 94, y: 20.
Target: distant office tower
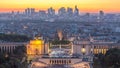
x: 87, y: 14
x: 29, y: 11
x: 87, y: 17
x: 18, y: 12
x: 76, y: 11
x: 69, y: 11
x: 12, y: 12
x: 32, y: 10
x: 51, y: 11
x: 101, y: 16
x: 62, y: 11
x: 42, y: 13
x: 101, y: 13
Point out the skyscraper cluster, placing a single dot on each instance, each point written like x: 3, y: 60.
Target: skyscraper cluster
x: 51, y: 12
x: 29, y: 11
x: 63, y: 14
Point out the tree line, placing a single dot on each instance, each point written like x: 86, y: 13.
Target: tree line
x: 13, y: 38
x: 109, y: 60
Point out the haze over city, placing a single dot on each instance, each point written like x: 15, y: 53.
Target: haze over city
x: 83, y: 5
x: 59, y: 34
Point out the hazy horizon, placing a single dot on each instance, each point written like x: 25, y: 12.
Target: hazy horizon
x: 92, y: 6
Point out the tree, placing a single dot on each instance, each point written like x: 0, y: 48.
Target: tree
x: 112, y: 58
x: 14, y: 38
x: 2, y: 66
x: 20, y: 50
x: 98, y: 61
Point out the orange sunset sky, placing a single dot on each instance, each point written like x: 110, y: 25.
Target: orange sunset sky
x: 83, y: 5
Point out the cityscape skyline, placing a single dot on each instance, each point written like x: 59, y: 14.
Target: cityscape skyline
x: 59, y: 34
x: 83, y: 5
x: 6, y: 10
x: 36, y: 10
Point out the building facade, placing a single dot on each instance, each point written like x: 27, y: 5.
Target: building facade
x: 35, y: 47
x: 10, y: 47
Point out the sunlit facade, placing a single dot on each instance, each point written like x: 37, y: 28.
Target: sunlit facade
x: 35, y: 47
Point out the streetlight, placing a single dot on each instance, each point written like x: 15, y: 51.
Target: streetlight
x: 83, y: 50
x: 6, y: 55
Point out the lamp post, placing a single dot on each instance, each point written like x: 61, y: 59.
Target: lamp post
x: 6, y: 55
x: 83, y: 50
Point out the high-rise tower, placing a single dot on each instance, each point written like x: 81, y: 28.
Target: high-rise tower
x: 76, y: 11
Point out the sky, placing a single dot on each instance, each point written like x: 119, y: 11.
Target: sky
x: 83, y: 5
